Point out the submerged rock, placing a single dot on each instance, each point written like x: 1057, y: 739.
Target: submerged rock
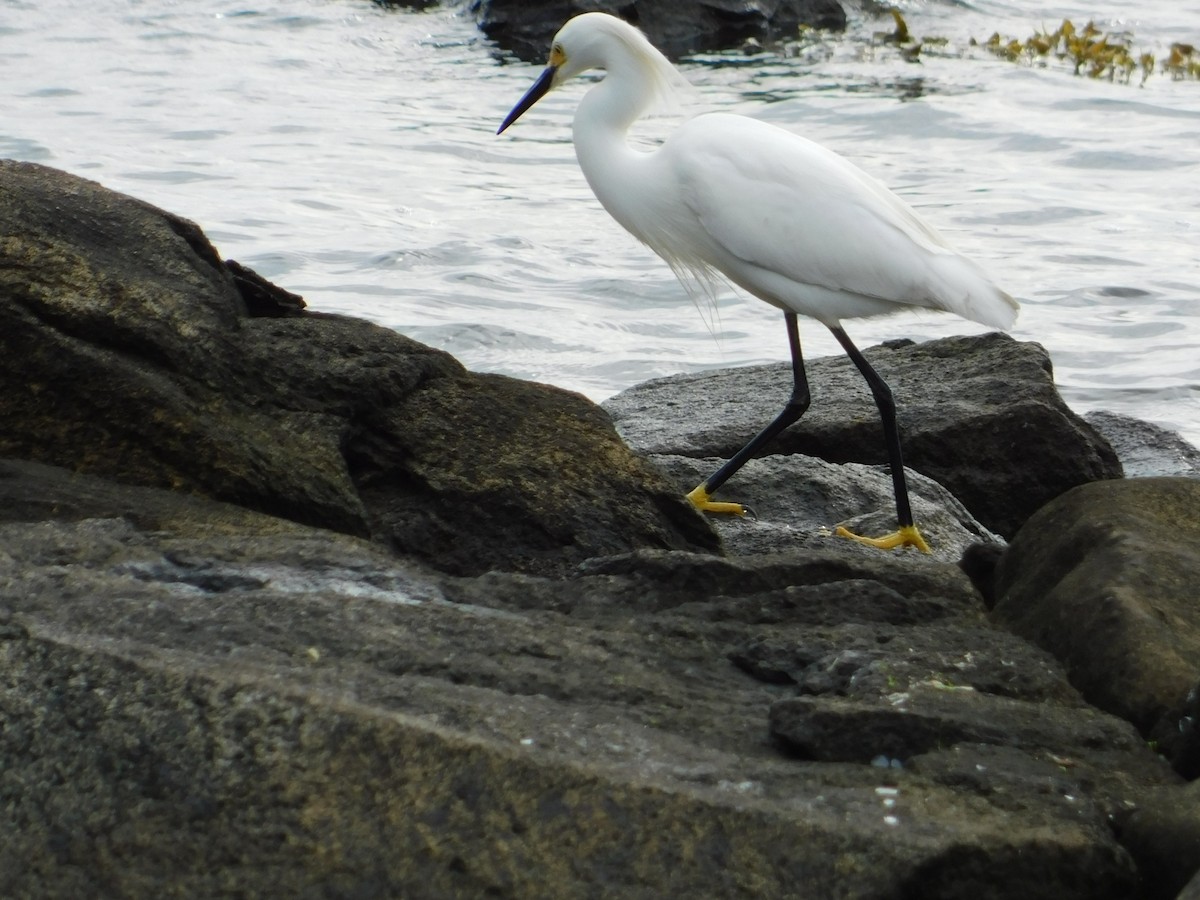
x: 676, y: 27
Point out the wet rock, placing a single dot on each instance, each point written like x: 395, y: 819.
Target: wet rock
x: 677, y: 28
x: 1146, y: 450
x: 128, y: 350
x: 979, y: 415
x: 1104, y: 578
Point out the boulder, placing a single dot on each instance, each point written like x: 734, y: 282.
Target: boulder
x: 796, y: 502
x: 1162, y: 831
x: 128, y: 349
x: 979, y: 415
x: 1145, y: 449
x: 1105, y: 579
x: 198, y: 699
x: 677, y: 28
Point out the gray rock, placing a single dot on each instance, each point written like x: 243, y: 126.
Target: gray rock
x: 198, y: 698
x: 797, y: 501
x: 127, y: 351
x: 1104, y: 578
x: 1146, y: 450
x: 677, y: 28
x: 932, y: 715
x: 979, y: 415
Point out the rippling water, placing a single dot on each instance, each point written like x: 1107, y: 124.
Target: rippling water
x: 349, y: 153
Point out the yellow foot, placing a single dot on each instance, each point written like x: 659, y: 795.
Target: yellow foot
x: 700, y: 500
x: 907, y: 536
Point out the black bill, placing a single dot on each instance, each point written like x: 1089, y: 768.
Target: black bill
x: 539, y: 90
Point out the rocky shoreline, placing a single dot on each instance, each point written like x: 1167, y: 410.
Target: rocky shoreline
x: 291, y: 605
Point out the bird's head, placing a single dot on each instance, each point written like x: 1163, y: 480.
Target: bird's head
x: 596, y: 41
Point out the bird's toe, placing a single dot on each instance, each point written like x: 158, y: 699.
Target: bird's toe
x: 701, y: 500
x: 905, y: 536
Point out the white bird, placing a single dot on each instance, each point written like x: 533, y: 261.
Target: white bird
x: 787, y: 220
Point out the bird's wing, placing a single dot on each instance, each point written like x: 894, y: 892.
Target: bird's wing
x: 779, y: 202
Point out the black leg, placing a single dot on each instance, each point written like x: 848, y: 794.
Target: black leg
x: 795, y: 408
x: 891, y: 432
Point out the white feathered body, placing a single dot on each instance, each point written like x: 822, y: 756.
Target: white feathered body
x: 782, y: 217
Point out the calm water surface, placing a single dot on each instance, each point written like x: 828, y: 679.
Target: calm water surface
x: 350, y: 154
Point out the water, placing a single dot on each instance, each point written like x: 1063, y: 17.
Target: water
x: 349, y: 154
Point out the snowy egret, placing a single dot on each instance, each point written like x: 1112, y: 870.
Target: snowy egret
x: 794, y: 224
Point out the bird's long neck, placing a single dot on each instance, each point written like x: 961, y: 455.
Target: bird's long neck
x: 600, y: 132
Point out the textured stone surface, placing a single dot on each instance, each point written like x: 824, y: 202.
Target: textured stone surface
x: 126, y: 350
x: 1162, y: 831
x: 1145, y: 450
x: 979, y: 415
x: 1105, y: 578
x: 199, y: 698
x: 797, y: 501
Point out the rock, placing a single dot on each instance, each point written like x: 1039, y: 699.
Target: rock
x: 979, y: 563
x: 1163, y: 833
x: 798, y: 500
x: 676, y: 28
x: 1104, y: 578
x: 197, y: 696
x: 1145, y: 449
x: 260, y: 296
x: 200, y: 697
x: 127, y: 350
x: 406, y: 4
x: 934, y: 715
x: 931, y: 647
x: 1187, y: 742
x: 979, y: 415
